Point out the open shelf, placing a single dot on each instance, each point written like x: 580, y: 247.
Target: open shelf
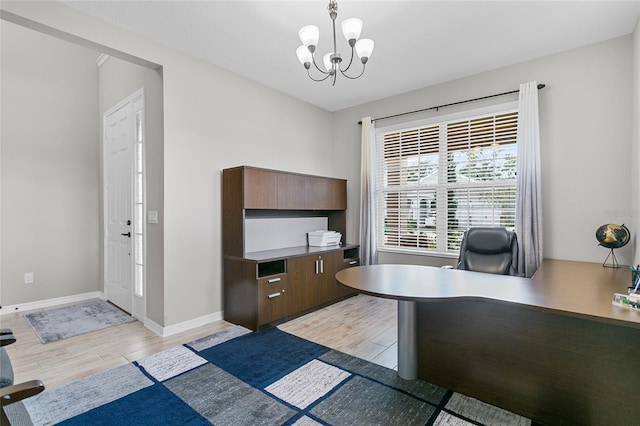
x: 351, y: 253
x: 273, y: 267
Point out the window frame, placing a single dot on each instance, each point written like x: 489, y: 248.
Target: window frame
x: 442, y: 185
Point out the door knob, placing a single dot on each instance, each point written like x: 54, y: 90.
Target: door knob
x: 128, y: 234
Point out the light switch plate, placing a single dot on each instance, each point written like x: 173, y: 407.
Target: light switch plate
x: 152, y: 216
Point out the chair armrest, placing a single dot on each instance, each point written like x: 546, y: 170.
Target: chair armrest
x: 15, y: 393
x: 6, y: 339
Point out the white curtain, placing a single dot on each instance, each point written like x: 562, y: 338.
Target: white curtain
x: 528, y: 187
x: 368, y: 244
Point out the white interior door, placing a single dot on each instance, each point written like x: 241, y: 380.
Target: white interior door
x: 119, y: 127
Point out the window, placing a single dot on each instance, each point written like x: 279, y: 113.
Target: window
x: 435, y: 180
x: 138, y: 228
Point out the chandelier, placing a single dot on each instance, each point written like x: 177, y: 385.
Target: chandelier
x: 351, y: 28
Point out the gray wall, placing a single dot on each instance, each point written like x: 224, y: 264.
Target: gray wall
x: 585, y: 116
x: 119, y: 79
x: 215, y: 120
x: 50, y: 187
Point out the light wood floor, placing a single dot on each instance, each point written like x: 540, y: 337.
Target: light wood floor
x: 362, y: 326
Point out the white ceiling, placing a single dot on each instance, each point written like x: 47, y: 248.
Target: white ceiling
x: 417, y: 43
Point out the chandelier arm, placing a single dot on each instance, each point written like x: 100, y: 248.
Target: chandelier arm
x: 318, y: 79
x: 353, y: 78
x: 313, y: 58
x: 348, y: 66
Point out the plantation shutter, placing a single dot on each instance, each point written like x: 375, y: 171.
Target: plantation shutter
x: 481, y: 156
x: 409, y: 161
x: 436, y: 181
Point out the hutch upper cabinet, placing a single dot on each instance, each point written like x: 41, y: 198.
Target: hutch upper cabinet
x: 273, y: 190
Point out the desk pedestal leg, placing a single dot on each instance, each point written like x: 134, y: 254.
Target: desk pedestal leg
x: 407, y: 340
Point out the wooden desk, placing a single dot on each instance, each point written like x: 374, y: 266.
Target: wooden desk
x: 551, y: 348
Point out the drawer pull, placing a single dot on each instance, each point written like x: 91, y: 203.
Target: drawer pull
x: 273, y: 280
x: 353, y: 262
x: 272, y: 295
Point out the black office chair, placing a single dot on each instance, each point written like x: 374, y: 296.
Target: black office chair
x: 492, y: 250
x: 12, y: 394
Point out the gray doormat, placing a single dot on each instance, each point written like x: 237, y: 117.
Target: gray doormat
x: 61, y: 323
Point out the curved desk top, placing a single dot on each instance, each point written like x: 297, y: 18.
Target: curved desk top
x: 564, y: 287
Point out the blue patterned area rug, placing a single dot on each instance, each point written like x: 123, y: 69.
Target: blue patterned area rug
x: 61, y: 323
x: 238, y: 377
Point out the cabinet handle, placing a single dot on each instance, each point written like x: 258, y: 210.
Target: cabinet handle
x: 317, y: 267
x: 272, y: 295
x: 353, y: 262
x: 322, y: 266
x: 273, y: 280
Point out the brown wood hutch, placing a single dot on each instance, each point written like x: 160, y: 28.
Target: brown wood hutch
x: 266, y: 287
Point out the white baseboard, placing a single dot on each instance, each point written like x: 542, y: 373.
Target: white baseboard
x: 47, y: 303
x: 151, y: 325
x: 183, y: 326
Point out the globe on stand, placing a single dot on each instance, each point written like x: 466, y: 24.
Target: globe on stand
x: 612, y: 236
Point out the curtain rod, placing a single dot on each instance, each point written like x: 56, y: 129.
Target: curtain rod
x: 540, y: 86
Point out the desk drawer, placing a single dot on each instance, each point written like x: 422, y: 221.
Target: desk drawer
x: 272, y: 298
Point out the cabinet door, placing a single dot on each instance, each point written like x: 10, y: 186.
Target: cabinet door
x: 260, y: 189
x: 312, y: 281
x: 272, y: 299
x: 325, y: 278
x: 325, y: 193
x: 335, y: 262
x: 303, y: 292
x: 291, y: 191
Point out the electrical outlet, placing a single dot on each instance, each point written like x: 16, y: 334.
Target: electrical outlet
x: 28, y: 277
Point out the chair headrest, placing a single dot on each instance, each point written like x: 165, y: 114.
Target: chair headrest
x: 489, y: 240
